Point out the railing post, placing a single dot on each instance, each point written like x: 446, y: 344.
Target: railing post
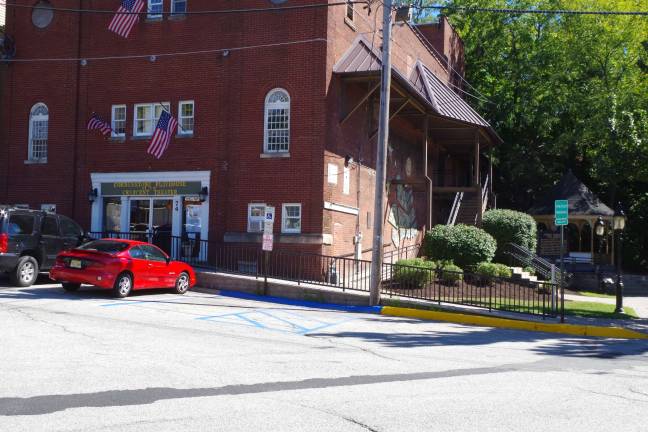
x: 265, y: 272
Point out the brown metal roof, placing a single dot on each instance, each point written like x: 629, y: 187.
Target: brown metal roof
x: 445, y: 101
x: 440, y: 98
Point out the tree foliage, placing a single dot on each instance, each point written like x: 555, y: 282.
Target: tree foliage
x: 566, y: 91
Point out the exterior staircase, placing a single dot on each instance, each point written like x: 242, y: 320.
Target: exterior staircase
x: 524, y: 276
x: 469, y: 207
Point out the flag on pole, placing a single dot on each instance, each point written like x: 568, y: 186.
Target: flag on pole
x: 126, y: 17
x: 97, y: 123
x: 164, y: 130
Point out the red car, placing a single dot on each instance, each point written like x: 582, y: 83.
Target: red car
x: 122, y: 266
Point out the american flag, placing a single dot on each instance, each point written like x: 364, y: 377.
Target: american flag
x: 164, y: 130
x: 126, y: 17
x: 97, y: 123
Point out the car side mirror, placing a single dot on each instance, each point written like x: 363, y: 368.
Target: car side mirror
x: 168, y: 260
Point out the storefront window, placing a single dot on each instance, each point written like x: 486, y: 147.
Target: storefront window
x: 112, y: 215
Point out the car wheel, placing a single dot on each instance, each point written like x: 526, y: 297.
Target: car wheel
x: 182, y: 283
x: 123, y: 285
x: 71, y: 287
x: 26, y: 272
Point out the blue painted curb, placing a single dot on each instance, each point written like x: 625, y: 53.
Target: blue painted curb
x: 310, y: 304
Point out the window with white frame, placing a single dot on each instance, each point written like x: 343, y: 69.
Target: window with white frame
x: 291, y: 218
x: 154, y: 9
x: 349, y: 11
x: 256, y: 215
x: 277, y: 122
x: 146, y: 117
x: 332, y: 173
x: 118, y: 121
x: 186, y: 117
x: 178, y: 6
x: 38, y: 133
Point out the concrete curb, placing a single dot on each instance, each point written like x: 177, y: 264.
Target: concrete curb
x: 570, y: 329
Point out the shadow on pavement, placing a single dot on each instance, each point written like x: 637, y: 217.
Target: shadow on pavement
x: 472, y: 336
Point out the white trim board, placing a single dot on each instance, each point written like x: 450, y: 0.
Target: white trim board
x: 341, y: 208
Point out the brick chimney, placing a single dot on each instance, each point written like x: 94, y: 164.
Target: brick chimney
x: 445, y: 40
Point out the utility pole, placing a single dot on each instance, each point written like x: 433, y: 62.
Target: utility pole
x: 381, y: 158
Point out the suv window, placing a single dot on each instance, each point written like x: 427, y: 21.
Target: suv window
x: 50, y: 227
x: 21, y: 224
x: 153, y: 253
x: 69, y: 228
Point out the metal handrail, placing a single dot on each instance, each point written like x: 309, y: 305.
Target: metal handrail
x: 527, y: 258
x: 454, y: 211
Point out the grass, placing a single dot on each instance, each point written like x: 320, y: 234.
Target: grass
x: 597, y: 310
x: 595, y: 294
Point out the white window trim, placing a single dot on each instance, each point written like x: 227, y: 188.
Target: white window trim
x: 249, y: 216
x: 30, y: 150
x: 173, y: 6
x: 112, y: 121
x: 332, y: 172
x: 155, y: 119
x: 346, y: 180
x: 148, y: 8
x: 180, y: 117
x: 265, y: 120
x: 284, y: 218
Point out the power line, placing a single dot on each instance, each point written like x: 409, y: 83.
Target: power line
x: 530, y: 11
x: 154, y: 57
x: 206, y: 12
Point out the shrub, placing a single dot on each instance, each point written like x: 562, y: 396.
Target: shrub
x: 529, y: 270
x: 487, y: 272
x: 413, y: 273
x: 462, y: 244
x: 450, y: 274
x: 510, y: 226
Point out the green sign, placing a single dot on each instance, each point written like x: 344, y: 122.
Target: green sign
x: 162, y: 188
x: 561, y: 212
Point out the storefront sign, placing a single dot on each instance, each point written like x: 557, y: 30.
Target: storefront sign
x: 161, y: 188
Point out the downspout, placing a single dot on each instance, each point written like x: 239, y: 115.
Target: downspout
x: 426, y: 174
x: 76, y: 117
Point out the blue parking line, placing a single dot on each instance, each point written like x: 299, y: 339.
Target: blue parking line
x: 123, y: 303
x: 281, y: 319
x: 255, y: 323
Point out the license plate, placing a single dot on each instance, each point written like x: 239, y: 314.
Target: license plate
x: 75, y: 264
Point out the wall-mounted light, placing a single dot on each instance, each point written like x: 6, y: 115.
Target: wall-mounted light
x: 225, y: 53
x: 204, y: 193
x: 92, y: 195
x: 348, y: 159
x: 152, y: 58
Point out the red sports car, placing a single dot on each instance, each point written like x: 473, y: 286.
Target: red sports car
x: 122, y: 266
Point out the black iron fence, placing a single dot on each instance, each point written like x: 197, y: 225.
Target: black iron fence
x: 347, y: 273
x: 471, y: 289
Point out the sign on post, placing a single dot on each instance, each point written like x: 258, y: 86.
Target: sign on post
x: 267, y: 242
x: 561, y: 212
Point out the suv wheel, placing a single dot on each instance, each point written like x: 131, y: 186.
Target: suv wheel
x: 26, y: 272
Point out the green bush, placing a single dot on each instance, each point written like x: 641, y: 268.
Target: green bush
x: 413, y: 273
x: 450, y: 274
x: 487, y: 272
x: 510, y: 226
x: 462, y: 244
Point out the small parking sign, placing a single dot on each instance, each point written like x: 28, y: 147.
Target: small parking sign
x: 561, y: 212
x: 269, y: 214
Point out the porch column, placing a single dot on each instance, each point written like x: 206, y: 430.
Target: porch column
x: 491, y: 196
x: 591, y: 223
x: 425, y: 171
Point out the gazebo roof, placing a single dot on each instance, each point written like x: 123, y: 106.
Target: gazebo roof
x: 582, y: 201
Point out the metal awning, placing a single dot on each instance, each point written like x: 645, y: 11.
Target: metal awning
x: 437, y: 97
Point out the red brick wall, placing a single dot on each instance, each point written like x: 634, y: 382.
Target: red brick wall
x: 447, y: 42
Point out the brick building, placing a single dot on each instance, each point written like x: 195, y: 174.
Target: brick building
x: 275, y: 108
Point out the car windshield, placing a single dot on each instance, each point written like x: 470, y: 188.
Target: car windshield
x: 107, y: 246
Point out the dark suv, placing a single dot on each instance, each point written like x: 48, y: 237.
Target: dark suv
x: 31, y: 239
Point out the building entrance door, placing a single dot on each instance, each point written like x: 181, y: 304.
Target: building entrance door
x: 151, y: 220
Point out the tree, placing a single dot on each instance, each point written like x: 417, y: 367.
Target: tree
x: 567, y: 91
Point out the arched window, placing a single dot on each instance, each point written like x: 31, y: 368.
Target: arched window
x: 38, y: 131
x: 277, y: 122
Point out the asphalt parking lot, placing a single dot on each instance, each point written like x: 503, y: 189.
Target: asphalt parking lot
x: 158, y: 361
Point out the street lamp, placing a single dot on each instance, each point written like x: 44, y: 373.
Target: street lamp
x: 619, y: 225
